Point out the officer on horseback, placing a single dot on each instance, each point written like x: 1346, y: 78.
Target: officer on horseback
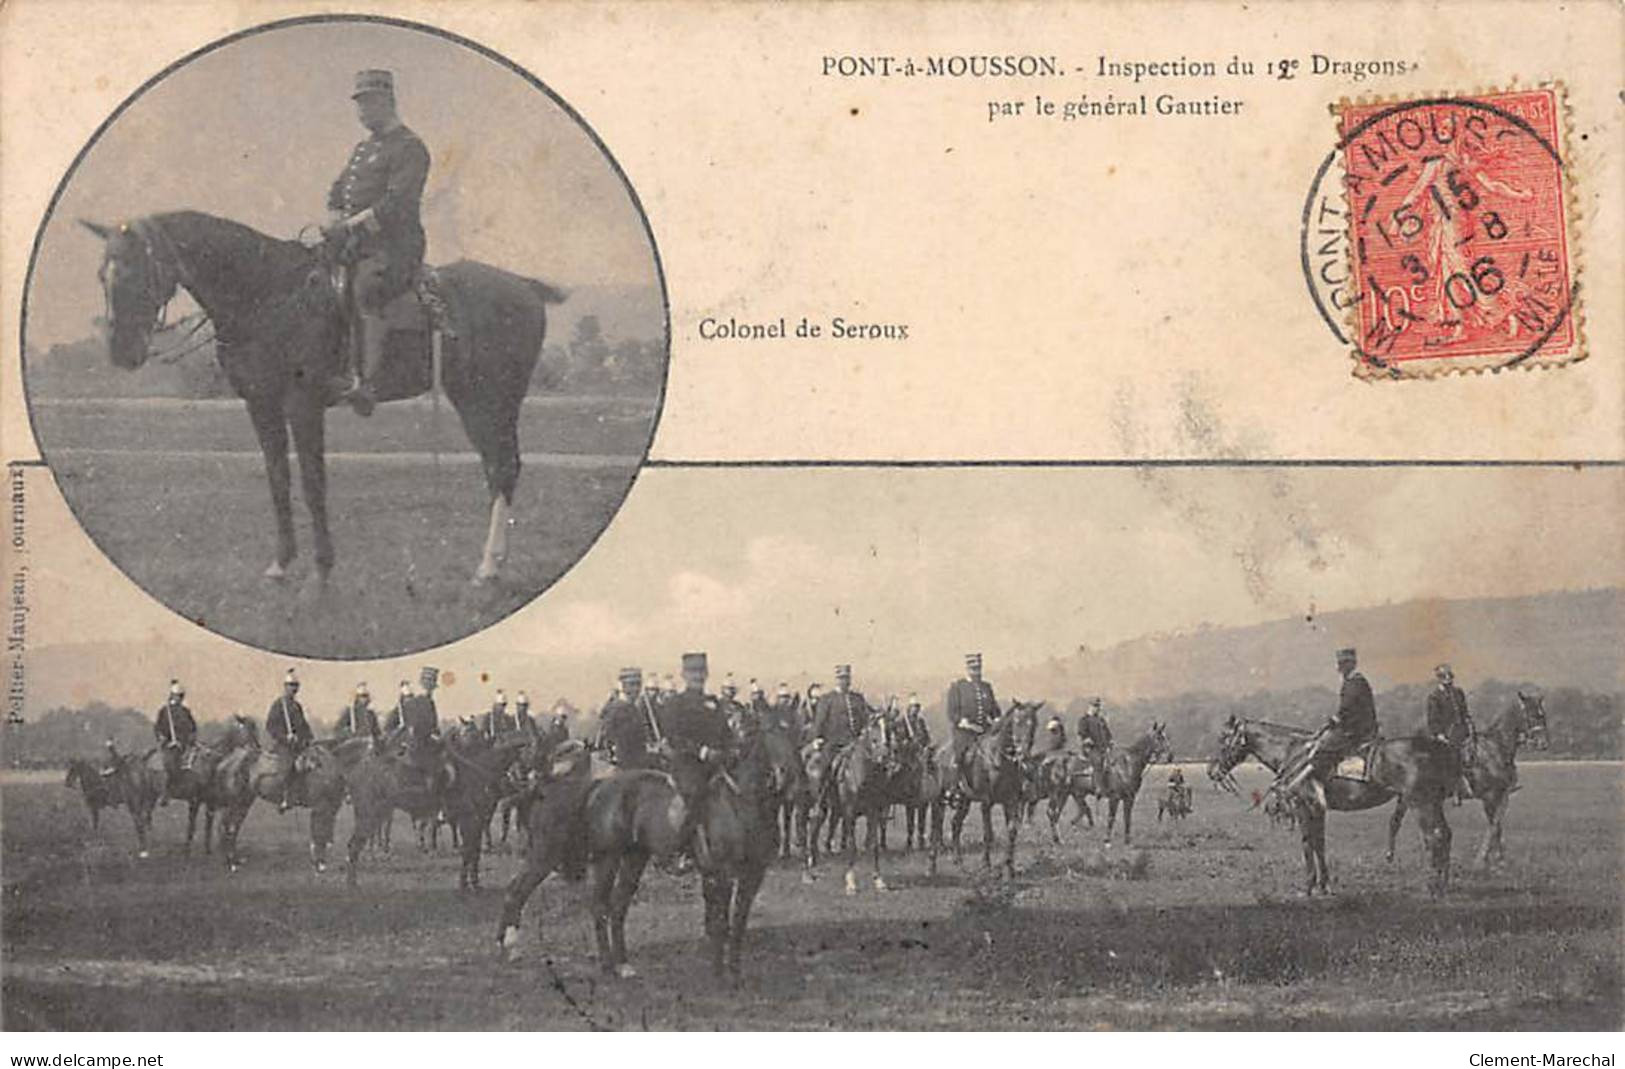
x: 290, y: 734
x: 359, y: 717
x: 1352, y: 726
x: 840, y: 717
x: 971, y: 709
x: 375, y: 216
x: 1449, y: 722
x: 785, y: 713
x: 176, y: 733
x: 498, y: 722
x: 695, y: 733
x: 1095, y: 736
x: 627, y: 726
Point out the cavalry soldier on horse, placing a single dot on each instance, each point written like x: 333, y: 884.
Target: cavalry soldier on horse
x: 627, y: 726
x: 375, y: 217
x: 757, y: 712
x: 290, y: 734
x: 914, y: 724
x: 695, y: 732
x: 839, y: 718
x: 1054, y: 740
x: 176, y: 733
x: 1095, y: 736
x: 498, y: 722
x: 521, y: 713
x: 971, y: 709
x: 1352, y: 726
x: 359, y: 717
x: 785, y: 713
x: 1449, y: 721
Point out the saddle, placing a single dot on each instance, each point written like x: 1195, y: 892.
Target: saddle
x: 1357, y: 765
x: 417, y: 320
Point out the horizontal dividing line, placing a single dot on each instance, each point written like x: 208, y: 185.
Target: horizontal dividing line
x: 1160, y: 462
x: 169, y: 404
x: 551, y: 460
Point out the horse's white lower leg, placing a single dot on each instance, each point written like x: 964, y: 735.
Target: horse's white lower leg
x: 496, y: 541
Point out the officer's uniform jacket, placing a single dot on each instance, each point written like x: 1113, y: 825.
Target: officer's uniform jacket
x: 286, y: 724
x: 916, y: 729
x: 385, y: 175
x: 174, y: 723
x: 1447, y: 714
x: 356, y: 719
x: 971, y: 700
x: 691, y: 719
x: 624, y: 727
x: 1356, y: 716
x: 840, y: 717
x: 1093, y: 731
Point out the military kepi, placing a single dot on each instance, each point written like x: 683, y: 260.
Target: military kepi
x: 694, y: 662
x: 843, y: 671
x: 1347, y: 653
x: 973, y: 660
x: 373, y: 81
x: 631, y: 675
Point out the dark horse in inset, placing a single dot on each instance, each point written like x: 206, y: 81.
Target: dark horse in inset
x: 1493, y: 771
x: 1420, y: 771
x: 618, y: 823
x: 280, y: 336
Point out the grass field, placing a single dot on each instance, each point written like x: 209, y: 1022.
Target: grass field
x: 176, y: 495
x: 1208, y: 936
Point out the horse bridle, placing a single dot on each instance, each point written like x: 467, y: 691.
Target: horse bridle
x: 167, y: 273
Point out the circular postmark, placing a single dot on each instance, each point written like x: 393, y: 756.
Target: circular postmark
x: 1435, y: 236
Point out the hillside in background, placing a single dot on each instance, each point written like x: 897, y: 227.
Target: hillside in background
x: 1568, y: 643
x: 1568, y: 638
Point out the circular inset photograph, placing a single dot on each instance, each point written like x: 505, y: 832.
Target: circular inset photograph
x: 345, y: 337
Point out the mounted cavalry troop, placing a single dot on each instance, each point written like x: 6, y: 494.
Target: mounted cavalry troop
x: 723, y: 785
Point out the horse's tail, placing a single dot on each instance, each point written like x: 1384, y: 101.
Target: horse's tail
x: 548, y: 294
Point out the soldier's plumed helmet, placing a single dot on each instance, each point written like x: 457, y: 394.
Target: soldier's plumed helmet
x: 1444, y: 671
x: 500, y: 699
x: 522, y: 700
x: 756, y: 689
x: 290, y: 680
x: 373, y: 81
x: 361, y: 690
x: 784, y: 690
x: 406, y: 688
x: 913, y: 701
x: 176, y: 690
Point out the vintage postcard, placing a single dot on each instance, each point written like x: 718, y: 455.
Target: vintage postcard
x: 861, y: 517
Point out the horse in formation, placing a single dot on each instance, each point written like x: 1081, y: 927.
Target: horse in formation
x: 280, y: 335
x: 1492, y: 771
x: 614, y: 824
x: 1419, y: 771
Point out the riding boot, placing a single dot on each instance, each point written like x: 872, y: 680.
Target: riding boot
x: 373, y: 332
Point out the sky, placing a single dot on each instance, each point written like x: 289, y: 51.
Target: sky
x: 784, y: 573
x: 257, y: 130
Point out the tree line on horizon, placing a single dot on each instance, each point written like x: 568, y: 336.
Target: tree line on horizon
x: 589, y: 362
x: 1582, y: 724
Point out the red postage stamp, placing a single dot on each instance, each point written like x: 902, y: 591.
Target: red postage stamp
x: 1459, y: 234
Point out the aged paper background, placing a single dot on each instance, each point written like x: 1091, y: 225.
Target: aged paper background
x: 1106, y: 292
